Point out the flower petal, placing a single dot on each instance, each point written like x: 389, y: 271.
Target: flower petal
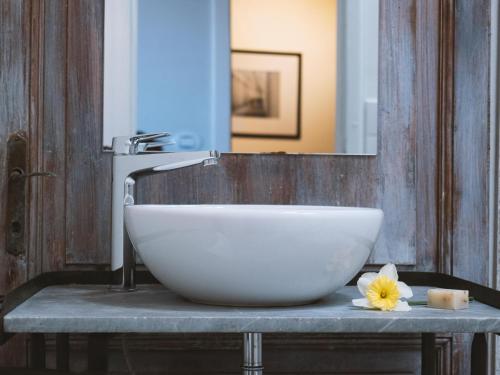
x: 404, y: 290
x: 402, y: 306
x: 362, y: 302
x: 365, y: 280
x: 390, y: 271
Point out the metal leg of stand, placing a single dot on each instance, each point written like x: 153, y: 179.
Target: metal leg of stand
x: 97, y: 352
x: 429, y: 354
x: 479, y: 355
x: 37, y: 351
x: 252, y: 354
x: 62, y: 351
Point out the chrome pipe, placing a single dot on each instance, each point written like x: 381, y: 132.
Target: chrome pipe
x: 128, y: 269
x: 252, y: 354
x: 128, y: 264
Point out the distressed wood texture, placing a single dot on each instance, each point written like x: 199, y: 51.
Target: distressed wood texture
x: 391, y: 180
x: 283, y: 354
x: 14, y: 116
x: 429, y: 44
x: 88, y: 170
x: 471, y: 141
x: 388, y: 180
x: 70, y: 139
x: 429, y: 176
x: 53, y: 136
x: 470, y: 162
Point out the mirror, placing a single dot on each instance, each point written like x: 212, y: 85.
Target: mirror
x: 244, y: 76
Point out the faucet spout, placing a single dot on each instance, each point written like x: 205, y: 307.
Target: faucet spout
x: 211, y: 159
x: 129, y: 161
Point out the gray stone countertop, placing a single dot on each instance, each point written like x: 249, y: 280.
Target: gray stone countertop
x: 154, y: 309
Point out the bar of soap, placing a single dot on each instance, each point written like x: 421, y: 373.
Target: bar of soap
x: 452, y: 299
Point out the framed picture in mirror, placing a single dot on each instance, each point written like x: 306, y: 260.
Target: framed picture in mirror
x: 265, y: 94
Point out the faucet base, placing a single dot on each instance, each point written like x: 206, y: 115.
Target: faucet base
x: 121, y: 289
x: 128, y: 268
x: 128, y: 281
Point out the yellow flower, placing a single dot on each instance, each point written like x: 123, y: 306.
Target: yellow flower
x: 383, y: 293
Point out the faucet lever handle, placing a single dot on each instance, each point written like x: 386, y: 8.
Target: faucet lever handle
x: 141, y: 142
x: 130, y: 145
x: 152, y: 146
x: 141, y: 138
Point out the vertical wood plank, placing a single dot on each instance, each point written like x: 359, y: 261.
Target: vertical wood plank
x: 14, y: 115
x: 53, y: 136
x: 427, y: 112
x: 445, y: 135
x: 471, y: 135
x: 14, y: 109
x: 35, y: 76
x: 397, y: 108
x: 88, y: 169
x: 471, y: 153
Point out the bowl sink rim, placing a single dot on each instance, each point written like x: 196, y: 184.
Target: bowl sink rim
x: 251, y: 206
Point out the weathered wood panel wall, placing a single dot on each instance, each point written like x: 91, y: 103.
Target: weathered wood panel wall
x: 469, y: 256
x: 387, y: 181
x: 14, y: 116
x: 430, y: 175
x: 72, y: 118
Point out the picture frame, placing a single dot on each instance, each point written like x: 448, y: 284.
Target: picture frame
x: 266, y: 94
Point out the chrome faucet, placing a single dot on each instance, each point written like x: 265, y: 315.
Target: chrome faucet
x: 133, y: 156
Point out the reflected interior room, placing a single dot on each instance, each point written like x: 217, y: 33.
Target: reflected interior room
x: 264, y: 76
x: 249, y: 187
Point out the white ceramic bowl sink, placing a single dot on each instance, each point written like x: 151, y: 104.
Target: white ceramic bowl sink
x: 253, y: 255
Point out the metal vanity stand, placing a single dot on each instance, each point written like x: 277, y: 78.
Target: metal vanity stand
x: 81, y: 302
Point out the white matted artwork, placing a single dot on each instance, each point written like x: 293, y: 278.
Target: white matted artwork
x: 265, y: 100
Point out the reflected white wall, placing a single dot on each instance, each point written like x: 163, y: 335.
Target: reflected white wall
x: 357, y: 76
x: 120, y: 31
x: 183, y: 71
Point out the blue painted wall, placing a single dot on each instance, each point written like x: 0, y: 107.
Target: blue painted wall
x: 183, y: 71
